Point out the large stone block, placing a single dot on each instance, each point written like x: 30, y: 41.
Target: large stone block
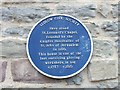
x: 105, y: 9
x: 94, y: 29
x: 109, y: 84
x: 103, y: 49
x: 22, y: 14
x: 103, y: 69
x: 13, y: 48
x: 17, y: 31
x: 111, y: 28
x: 115, y: 10
x: 3, y: 65
x: 86, y: 11
x: 23, y: 71
x: 75, y: 80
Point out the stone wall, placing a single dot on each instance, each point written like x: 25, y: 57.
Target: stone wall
x: 18, y: 17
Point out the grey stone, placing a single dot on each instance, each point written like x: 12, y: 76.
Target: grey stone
x: 115, y: 10
x: 111, y: 28
x: 86, y: 12
x: 102, y: 70
x: 92, y: 6
x: 16, y: 31
x: 13, y: 48
x: 77, y: 80
x: 119, y: 65
x: 119, y: 56
x: 3, y: 65
x: 108, y: 85
x: 21, y: 14
x: 70, y: 81
x: 103, y: 49
x: 63, y: 9
x: 105, y: 9
x: 117, y: 44
x: 94, y: 29
x: 22, y: 71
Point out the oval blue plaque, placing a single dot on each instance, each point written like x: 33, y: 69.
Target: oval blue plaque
x: 59, y: 46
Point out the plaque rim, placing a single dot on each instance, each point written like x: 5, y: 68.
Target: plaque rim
x: 59, y: 77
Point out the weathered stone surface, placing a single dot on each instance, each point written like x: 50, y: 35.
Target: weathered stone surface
x: 16, y: 32
x: 3, y: 65
x: 111, y: 28
x: 117, y: 44
x: 22, y: 14
x: 86, y: 12
x: 75, y: 80
x: 118, y: 47
x: 13, y: 48
x: 119, y: 65
x: 115, y: 10
x: 93, y: 28
x: 105, y: 9
x: 102, y: 70
x: 23, y: 71
x: 103, y: 49
x: 108, y: 85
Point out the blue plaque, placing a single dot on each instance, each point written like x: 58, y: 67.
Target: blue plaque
x: 59, y: 46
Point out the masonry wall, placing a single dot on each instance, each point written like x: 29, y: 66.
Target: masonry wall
x: 17, y: 19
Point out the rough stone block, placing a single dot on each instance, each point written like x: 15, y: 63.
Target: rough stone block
x: 86, y: 12
x: 104, y: 9
x: 115, y: 10
x: 13, y: 48
x: 103, y: 48
x: 94, y: 29
x: 102, y: 70
x: 23, y: 71
x: 75, y: 80
x: 3, y: 66
x: 22, y: 14
x: 110, y: 84
x: 119, y: 66
x: 17, y: 32
x: 111, y: 28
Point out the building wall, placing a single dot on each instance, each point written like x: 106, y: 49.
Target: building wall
x: 18, y: 17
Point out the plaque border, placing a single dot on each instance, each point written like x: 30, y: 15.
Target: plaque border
x: 59, y: 77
